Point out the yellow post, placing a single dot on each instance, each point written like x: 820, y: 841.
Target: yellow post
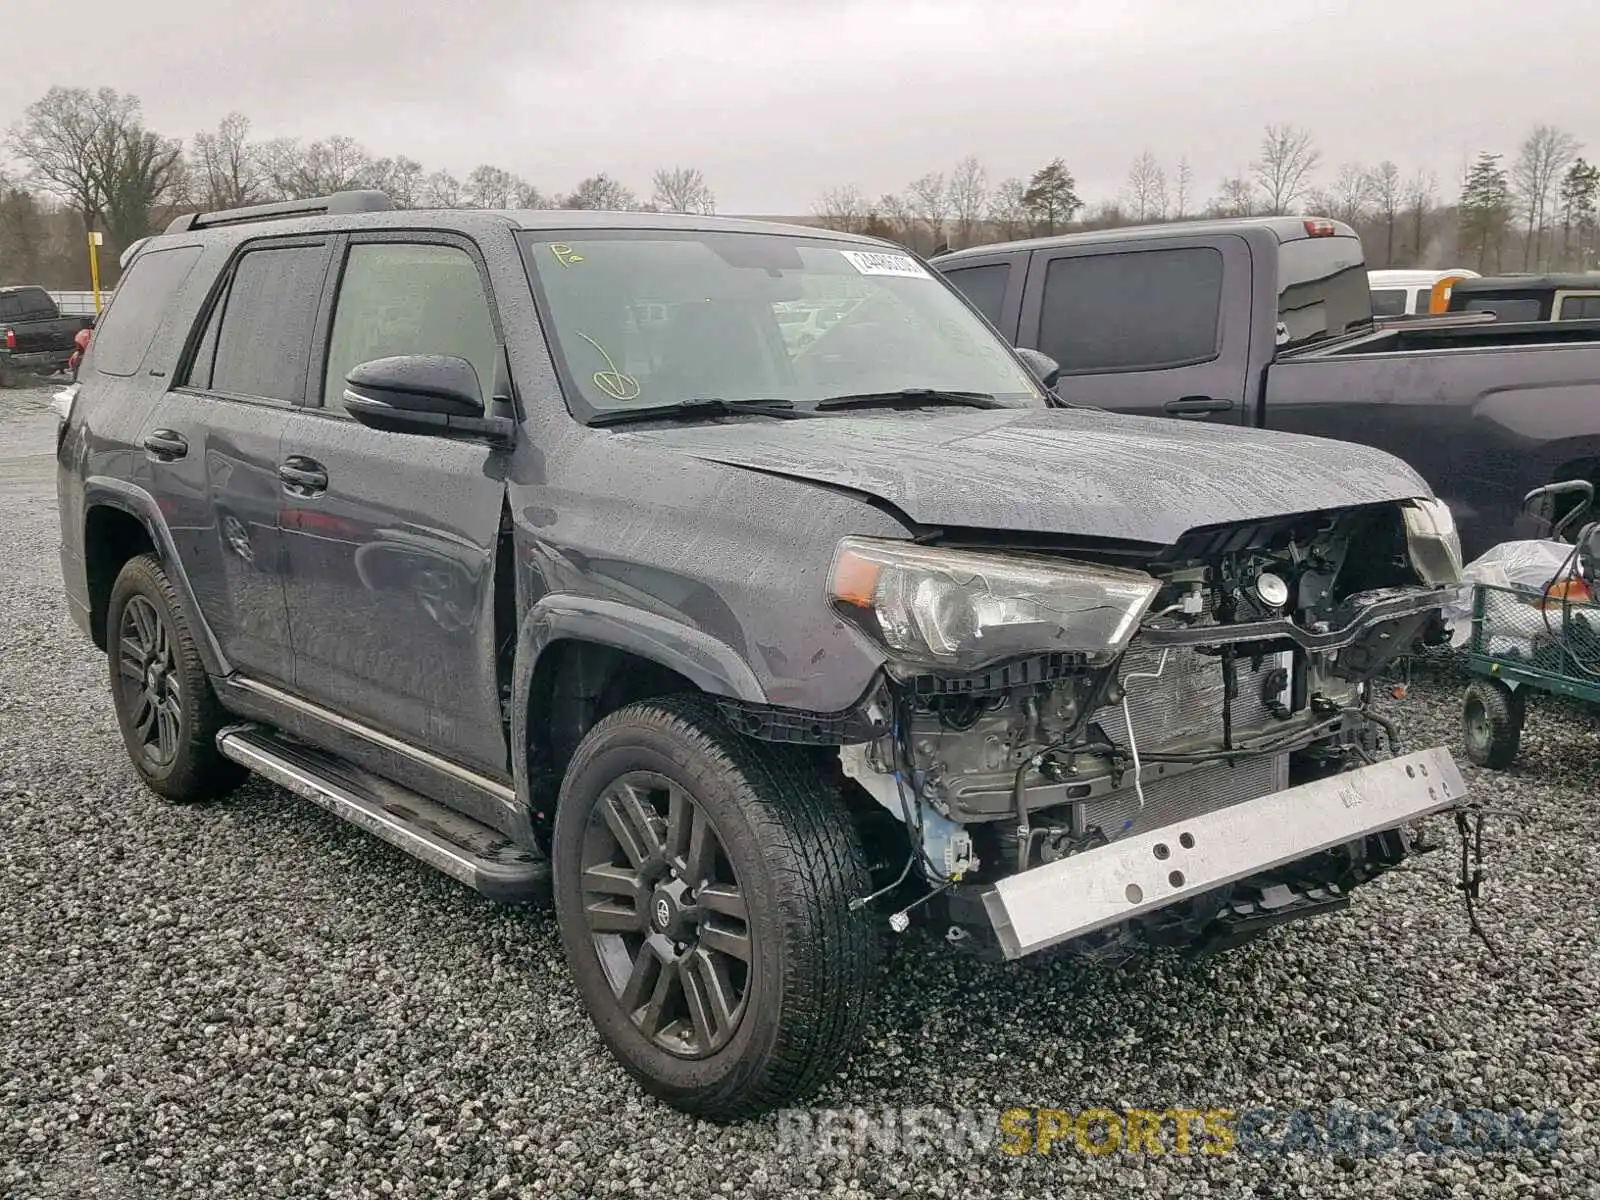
x: 95, y: 239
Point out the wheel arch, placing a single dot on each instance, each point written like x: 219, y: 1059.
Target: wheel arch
x: 121, y: 521
x: 578, y: 659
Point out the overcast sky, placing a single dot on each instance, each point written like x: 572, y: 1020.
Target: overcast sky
x: 777, y: 101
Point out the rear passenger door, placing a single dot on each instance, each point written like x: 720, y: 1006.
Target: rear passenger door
x: 391, y: 537
x: 212, y: 441
x: 1147, y: 330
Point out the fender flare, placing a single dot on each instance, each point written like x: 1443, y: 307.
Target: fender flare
x: 711, y: 665
x: 100, y: 491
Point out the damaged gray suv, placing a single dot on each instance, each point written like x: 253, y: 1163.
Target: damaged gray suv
x: 543, y: 547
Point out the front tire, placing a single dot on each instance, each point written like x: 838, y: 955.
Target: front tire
x: 168, y: 714
x: 702, y: 885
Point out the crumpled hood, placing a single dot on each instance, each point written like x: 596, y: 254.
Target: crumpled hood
x: 1069, y: 471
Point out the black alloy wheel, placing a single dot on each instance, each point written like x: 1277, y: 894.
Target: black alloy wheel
x: 666, y: 914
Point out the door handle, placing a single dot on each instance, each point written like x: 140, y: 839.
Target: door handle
x: 1196, y: 406
x: 303, y: 476
x: 165, y: 444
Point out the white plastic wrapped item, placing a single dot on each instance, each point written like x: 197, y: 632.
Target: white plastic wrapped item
x: 1527, y: 566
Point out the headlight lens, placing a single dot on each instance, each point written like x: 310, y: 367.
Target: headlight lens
x: 964, y: 610
x: 1432, y: 541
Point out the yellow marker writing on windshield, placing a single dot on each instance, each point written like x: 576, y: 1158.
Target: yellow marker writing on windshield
x: 565, y: 254
x: 612, y: 382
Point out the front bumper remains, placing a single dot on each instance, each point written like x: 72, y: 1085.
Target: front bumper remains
x: 1139, y: 874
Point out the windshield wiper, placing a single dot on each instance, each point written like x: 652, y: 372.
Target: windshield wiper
x: 699, y: 409
x: 907, y: 397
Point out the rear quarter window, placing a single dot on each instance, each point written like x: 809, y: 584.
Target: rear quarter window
x: 123, y: 335
x: 985, y: 286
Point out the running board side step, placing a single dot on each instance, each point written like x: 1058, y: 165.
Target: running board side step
x: 465, y: 849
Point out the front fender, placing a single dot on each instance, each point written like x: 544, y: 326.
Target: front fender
x: 712, y: 666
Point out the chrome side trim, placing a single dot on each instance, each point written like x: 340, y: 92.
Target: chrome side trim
x: 444, y: 766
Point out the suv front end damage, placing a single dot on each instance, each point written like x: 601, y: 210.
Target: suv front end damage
x: 1181, y: 755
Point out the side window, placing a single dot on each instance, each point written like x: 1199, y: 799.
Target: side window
x: 409, y: 298
x: 1389, y: 302
x: 1579, y: 308
x: 263, y: 345
x: 1145, y: 309
x: 123, y: 335
x: 985, y: 286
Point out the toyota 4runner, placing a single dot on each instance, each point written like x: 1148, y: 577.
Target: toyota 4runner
x: 531, y: 544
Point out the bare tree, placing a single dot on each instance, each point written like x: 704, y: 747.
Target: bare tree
x: 442, y: 190
x: 601, y: 192
x: 842, y: 208
x: 1544, y: 157
x: 1420, y: 189
x: 56, y: 140
x: 225, y: 167
x: 1008, y: 207
x: 1388, y: 194
x: 492, y: 187
x: 929, y: 200
x: 529, y: 196
x: 969, y: 194
x: 1146, y: 190
x: 1182, y: 188
x: 897, y: 217
x: 401, y: 179
x: 1236, y: 197
x: 1349, y: 197
x: 92, y: 150
x: 683, y: 190
x: 1284, y: 169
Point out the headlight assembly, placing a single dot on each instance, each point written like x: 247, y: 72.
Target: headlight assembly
x: 1432, y: 542
x: 964, y: 610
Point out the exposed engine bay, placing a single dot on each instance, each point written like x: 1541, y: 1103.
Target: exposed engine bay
x: 1248, y: 674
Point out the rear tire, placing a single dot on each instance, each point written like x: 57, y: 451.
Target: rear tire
x: 168, y: 714
x: 1491, y: 723
x: 728, y: 1007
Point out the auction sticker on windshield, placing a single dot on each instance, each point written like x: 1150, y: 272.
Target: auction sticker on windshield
x: 874, y: 263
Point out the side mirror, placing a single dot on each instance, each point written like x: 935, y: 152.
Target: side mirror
x: 1047, y: 369
x: 422, y: 393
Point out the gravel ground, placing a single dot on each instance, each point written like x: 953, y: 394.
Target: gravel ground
x: 252, y: 999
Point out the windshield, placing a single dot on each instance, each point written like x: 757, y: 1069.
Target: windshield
x: 640, y: 319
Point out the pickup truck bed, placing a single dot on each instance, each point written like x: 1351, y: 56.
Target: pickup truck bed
x: 1268, y: 322
x: 34, y: 337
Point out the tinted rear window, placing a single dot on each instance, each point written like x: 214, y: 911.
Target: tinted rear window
x: 1504, y: 307
x: 264, y: 344
x: 1580, y: 308
x: 1389, y: 302
x: 985, y: 286
x: 1136, y: 310
x: 1322, y: 289
x: 123, y: 335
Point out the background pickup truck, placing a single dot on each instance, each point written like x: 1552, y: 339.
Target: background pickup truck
x: 34, y: 337
x: 1268, y: 322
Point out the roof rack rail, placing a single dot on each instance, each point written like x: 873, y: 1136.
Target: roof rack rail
x: 335, y: 205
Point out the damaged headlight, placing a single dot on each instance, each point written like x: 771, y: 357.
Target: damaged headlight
x: 1432, y: 542
x: 963, y: 610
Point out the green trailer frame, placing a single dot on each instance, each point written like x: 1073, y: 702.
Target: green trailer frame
x: 1523, y: 641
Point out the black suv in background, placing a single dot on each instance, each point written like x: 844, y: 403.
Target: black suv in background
x: 551, y: 548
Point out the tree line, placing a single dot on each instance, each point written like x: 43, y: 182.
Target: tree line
x: 86, y: 160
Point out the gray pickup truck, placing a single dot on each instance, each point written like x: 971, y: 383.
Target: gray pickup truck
x: 1267, y: 322
x: 35, y: 339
